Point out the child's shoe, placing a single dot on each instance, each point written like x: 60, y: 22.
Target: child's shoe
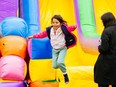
x: 66, y: 79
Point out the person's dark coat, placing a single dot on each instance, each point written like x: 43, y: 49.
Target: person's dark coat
x: 105, y: 66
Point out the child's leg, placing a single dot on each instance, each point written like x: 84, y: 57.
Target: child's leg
x: 55, y: 54
x: 61, y: 64
x: 61, y: 57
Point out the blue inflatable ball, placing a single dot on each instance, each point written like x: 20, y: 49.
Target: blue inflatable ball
x: 14, y: 26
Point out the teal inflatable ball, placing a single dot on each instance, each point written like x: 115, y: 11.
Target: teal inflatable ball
x: 14, y: 26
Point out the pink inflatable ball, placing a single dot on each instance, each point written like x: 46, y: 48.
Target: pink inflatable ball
x: 12, y: 68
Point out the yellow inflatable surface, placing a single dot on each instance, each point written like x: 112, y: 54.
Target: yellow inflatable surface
x: 41, y: 70
x: 79, y: 64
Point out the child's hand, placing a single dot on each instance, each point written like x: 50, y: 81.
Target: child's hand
x: 75, y: 26
x: 30, y: 37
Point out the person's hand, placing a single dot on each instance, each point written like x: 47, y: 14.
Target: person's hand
x: 100, y: 41
x: 75, y: 26
x: 30, y: 37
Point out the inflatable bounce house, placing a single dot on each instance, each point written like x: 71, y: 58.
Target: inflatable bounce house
x: 28, y: 63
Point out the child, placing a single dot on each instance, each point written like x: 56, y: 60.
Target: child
x: 61, y: 39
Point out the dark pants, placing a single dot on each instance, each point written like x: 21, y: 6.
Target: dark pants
x: 103, y: 85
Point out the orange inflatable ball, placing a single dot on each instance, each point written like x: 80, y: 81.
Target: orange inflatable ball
x: 13, y: 45
x: 43, y: 84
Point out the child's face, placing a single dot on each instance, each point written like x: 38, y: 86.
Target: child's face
x: 56, y: 24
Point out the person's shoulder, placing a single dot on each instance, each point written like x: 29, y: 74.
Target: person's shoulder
x: 64, y: 26
x: 49, y: 27
x: 109, y: 29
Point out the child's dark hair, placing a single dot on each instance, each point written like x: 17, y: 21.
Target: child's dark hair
x: 59, y: 18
